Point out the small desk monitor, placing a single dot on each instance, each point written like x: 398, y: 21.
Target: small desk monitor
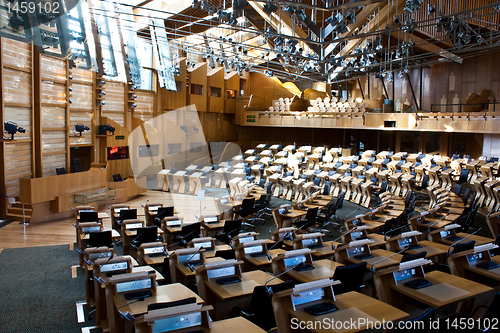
x: 211, y: 219
x: 88, y: 217
x: 146, y: 235
x: 162, y: 213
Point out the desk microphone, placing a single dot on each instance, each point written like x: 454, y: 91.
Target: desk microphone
x: 142, y: 203
x: 452, y: 245
x: 89, y: 262
x: 183, y: 240
x: 385, y: 258
x: 269, y: 291
x: 287, y: 234
x: 429, y: 227
x: 128, y: 316
x: 188, y: 264
x: 342, y: 235
x: 196, y: 216
x: 398, y: 228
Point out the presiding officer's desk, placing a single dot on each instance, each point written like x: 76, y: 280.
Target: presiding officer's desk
x: 290, y: 309
x: 315, y: 242
x: 448, y: 235
x: 446, y: 289
x: 225, y: 297
x: 119, y: 287
x: 321, y: 269
x: 409, y: 242
x: 469, y: 265
x: 358, y: 251
x: 256, y: 254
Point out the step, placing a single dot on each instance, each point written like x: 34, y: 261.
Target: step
x: 20, y: 205
x: 19, y: 210
x: 18, y: 217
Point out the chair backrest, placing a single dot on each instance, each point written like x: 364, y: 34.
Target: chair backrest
x: 425, y: 181
x: 464, y: 175
x: 383, y: 186
x: 460, y: 247
x: 424, y: 318
x: 465, y: 196
x: 247, y: 204
x: 89, y: 217
x: 269, y: 189
x: 492, y: 309
x: 77, y: 166
x: 146, y: 235
x: 261, y: 305
x: 165, y: 271
x: 190, y: 231
x: 340, y: 200
x: 128, y: 214
x: 225, y: 254
x: 351, y: 277
x: 312, y: 214
x: 60, y: 171
x: 457, y: 189
x: 410, y: 257
x: 327, y: 188
x: 100, y: 238
x: 232, y: 227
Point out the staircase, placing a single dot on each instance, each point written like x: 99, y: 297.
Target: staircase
x: 15, y: 212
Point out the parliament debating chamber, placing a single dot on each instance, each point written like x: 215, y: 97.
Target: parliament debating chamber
x: 249, y: 165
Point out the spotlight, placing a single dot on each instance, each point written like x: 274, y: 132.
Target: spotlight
x: 12, y: 128
x: 211, y: 10
x: 350, y: 17
x: 268, y: 73
x: 133, y: 106
x: 401, y: 74
x: 102, y: 93
x: 196, y: 4
x: 497, y: 8
x: 290, y: 10
x: 205, y: 5
x: 133, y: 96
x: 101, y: 83
x: 81, y: 128
x: 223, y: 15
x: 102, y: 103
x: 104, y: 129
x: 479, y: 39
x: 396, y: 20
x: 431, y: 10
x: 270, y: 8
x: 233, y: 21
x: 16, y: 22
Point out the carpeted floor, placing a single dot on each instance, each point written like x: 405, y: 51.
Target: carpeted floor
x: 37, y: 293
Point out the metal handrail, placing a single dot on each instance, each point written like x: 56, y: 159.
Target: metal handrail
x: 464, y: 104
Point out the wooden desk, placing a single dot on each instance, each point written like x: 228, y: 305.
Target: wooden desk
x: 210, y: 228
x: 167, y: 293
x: 378, y: 254
x: 323, y: 269
x: 432, y: 249
x: 352, y: 307
x: 493, y: 274
x: 221, y: 326
x: 224, y: 298
x: 446, y: 289
x: 262, y: 262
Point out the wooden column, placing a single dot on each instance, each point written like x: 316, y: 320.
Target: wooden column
x: 3, y: 187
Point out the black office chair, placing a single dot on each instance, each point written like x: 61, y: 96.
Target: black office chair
x: 424, y: 318
x: 261, y: 311
x: 225, y: 254
x: 246, y: 210
x: 309, y: 220
x: 464, y: 176
x: 231, y: 229
x: 60, y: 171
x: 457, y: 189
x: 89, y: 217
x: 101, y: 238
x: 338, y: 204
x: 350, y: 276
x: 162, y: 213
x: 262, y: 208
x: 165, y: 271
x: 145, y: 235
x: 461, y: 247
x: 324, y: 217
x: 77, y: 166
x: 126, y: 214
x: 327, y: 188
x: 415, y: 256
x: 188, y: 233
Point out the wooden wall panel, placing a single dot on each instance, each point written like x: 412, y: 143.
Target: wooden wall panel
x: 171, y: 100
x: 114, y: 108
x: 145, y: 105
x: 17, y: 165
x: 215, y: 79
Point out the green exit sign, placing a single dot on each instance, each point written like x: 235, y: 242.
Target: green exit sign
x: 120, y: 137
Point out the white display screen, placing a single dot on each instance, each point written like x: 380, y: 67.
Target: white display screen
x: 98, y: 255
x: 150, y: 250
x: 444, y: 233
x: 310, y: 241
x: 90, y: 229
x: 307, y: 296
x: 114, y: 266
x: 176, y: 223
x: 473, y: 258
x: 254, y: 249
x: 190, y: 257
x: 289, y: 262
x: 246, y: 239
x: 403, y: 242
x: 133, y: 285
x: 204, y: 244
x: 355, y: 250
x: 211, y: 219
x: 153, y: 208
x: 129, y: 226
x: 220, y: 272
x: 176, y: 323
